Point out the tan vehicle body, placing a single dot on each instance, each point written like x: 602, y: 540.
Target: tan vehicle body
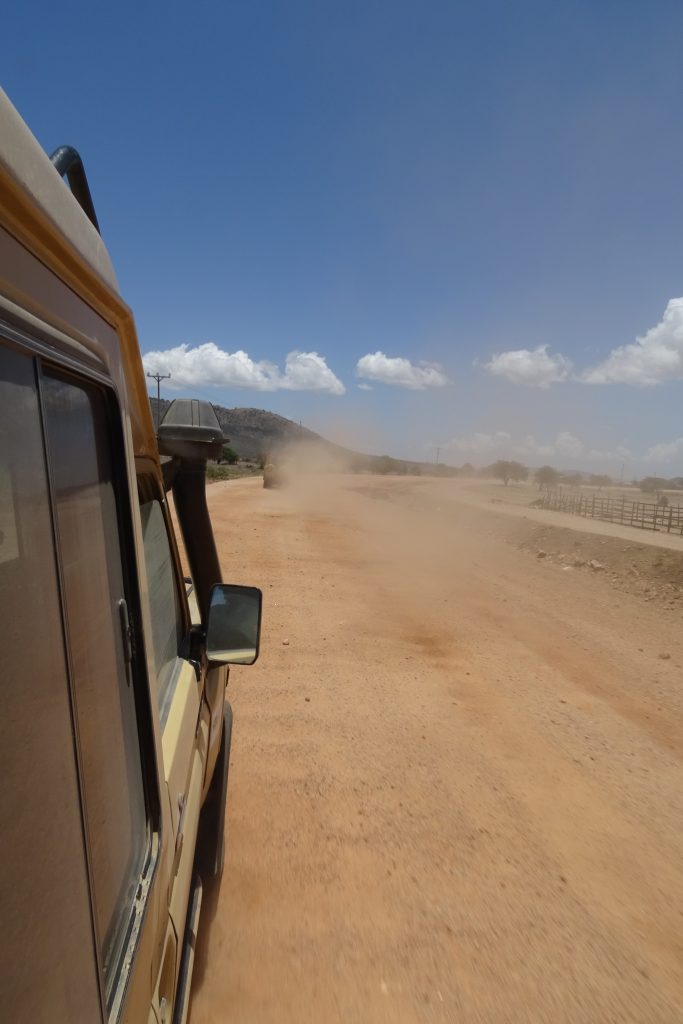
x: 62, y: 316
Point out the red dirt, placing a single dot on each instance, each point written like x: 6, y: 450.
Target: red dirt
x: 455, y: 793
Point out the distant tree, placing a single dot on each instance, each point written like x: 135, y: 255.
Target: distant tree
x: 600, y: 480
x: 229, y: 455
x: 384, y: 464
x: 652, y: 484
x: 467, y: 469
x: 519, y: 472
x: 571, y: 479
x: 546, y: 477
x: 507, y: 470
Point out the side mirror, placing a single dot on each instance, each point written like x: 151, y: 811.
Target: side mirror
x: 233, y: 630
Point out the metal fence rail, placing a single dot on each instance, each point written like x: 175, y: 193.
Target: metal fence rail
x: 645, y: 515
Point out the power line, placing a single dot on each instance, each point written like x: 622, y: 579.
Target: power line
x: 158, y: 377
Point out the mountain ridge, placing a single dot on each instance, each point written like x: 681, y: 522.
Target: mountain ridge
x: 257, y: 433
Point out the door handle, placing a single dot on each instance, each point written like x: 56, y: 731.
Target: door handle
x: 126, y: 637
x: 180, y: 834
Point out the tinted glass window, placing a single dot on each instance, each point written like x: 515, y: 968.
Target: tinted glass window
x: 47, y: 968
x: 167, y: 625
x: 82, y: 471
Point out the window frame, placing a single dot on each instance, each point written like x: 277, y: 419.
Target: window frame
x: 149, y: 490
x: 24, y: 346
x: 62, y: 365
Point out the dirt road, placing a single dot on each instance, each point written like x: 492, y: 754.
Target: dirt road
x: 456, y: 789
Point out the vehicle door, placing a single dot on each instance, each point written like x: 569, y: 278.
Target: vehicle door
x: 178, y: 687
x: 80, y: 800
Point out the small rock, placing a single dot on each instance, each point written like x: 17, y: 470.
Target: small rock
x: 595, y: 565
x: 541, y: 553
x: 307, y: 699
x: 285, y: 643
x: 567, y: 568
x: 664, y: 657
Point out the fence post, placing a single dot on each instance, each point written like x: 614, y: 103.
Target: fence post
x: 671, y: 514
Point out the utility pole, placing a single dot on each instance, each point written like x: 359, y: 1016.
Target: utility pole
x: 158, y: 377
x: 438, y: 452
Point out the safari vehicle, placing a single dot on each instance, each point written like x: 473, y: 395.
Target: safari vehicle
x: 114, y: 728
x: 273, y: 475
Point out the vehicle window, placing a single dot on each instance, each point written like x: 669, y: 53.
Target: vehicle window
x: 48, y: 968
x: 82, y: 471
x: 164, y: 603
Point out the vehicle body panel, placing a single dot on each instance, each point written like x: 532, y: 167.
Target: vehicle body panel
x: 59, y: 302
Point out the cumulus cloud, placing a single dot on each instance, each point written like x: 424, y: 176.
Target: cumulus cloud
x: 208, y: 364
x: 565, y: 451
x: 666, y: 451
x: 481, y: 444
x: 501, y: 444
x: 400, y: 372
x: 567, y: 444
x: 564, y: 446
x: 536, y: 367
x: 655, y: 357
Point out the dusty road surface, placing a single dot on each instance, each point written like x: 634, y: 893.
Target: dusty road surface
x: 456, y: 790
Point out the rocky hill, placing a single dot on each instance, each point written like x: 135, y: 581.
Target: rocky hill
x: 256, y: 433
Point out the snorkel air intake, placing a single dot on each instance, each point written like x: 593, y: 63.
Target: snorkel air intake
x: 191, y: 434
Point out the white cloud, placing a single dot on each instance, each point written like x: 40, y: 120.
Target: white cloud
x: 501, y: 444
x: 666, y: 451
x: 651, y: 359
x: 565, y: 451
x: 307, y: 371
x: 481, y: 444
x: 365, y: 387
x: 567, y: 444
x: 208, y: 364
x: 400, y: 372
x: 535, y: 367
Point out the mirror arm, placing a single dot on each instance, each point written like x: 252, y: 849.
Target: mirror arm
x: 197, y: 653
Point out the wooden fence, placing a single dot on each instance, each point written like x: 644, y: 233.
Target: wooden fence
x: 645, y: 515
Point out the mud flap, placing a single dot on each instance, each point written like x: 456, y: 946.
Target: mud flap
x: 211, y: 840
x: 182, y: 1000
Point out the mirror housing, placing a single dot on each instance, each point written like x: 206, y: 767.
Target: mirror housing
x: 233, y: 629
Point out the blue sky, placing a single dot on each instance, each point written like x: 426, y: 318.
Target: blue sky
x: 455, y: 185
